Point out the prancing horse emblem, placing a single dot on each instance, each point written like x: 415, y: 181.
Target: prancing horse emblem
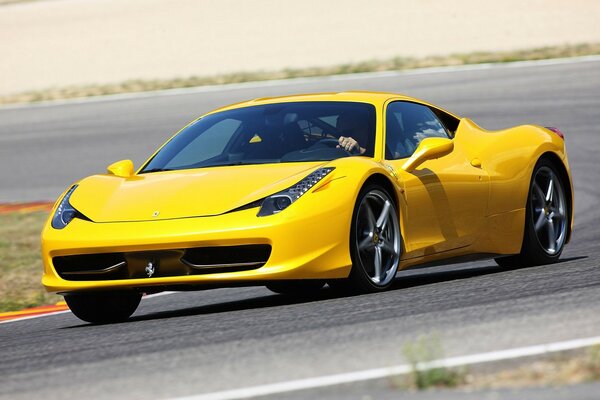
x: 150, y: 269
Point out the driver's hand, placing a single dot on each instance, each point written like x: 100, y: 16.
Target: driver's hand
x: 347, y: 143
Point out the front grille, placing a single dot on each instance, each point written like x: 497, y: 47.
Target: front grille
x: 145, y: 264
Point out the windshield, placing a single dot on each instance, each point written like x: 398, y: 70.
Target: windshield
x: 273, y: 133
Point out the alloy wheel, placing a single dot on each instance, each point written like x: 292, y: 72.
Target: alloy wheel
x: 549, y: 210
x: 378, y: 237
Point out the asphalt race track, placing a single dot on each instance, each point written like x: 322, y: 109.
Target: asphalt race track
x: 199, y: 342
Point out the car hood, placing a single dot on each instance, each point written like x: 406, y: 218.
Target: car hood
x: 185, y: 193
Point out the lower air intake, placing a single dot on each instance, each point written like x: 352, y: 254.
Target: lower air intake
x: 227, y: 258
x: 91, y: 266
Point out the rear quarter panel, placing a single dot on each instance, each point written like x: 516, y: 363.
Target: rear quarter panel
x: 509, y: 156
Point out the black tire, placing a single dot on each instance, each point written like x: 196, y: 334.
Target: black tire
x: 296, y: 288
x: 103, y: 307
x: 363, y: 277
x: 538, y: 248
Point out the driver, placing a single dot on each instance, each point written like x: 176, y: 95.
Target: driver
x: 354, y: 133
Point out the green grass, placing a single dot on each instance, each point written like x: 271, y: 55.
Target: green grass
x: 393, y: 64
x: 20, y: 262
x: 426, y: 349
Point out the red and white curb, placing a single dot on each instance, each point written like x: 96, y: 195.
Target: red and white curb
x: 58, y: 308
x: 46, y: 311
x: 6, y: 208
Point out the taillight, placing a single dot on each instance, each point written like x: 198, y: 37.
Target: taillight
x: 557, y: 131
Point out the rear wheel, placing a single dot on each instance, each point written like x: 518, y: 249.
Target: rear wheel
x: 103, y: 307
x: 547, y: 219
x: 296, y: 288
x: 375, y: 242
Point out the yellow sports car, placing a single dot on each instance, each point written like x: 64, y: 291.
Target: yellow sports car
x: 299, y: 191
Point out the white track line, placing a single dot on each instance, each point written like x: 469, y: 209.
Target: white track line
x: 378, y: 373
x: 300, y: 81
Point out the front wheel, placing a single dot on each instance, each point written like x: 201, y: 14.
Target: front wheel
x: 375, y: 242
x: 547, y: 219
x: 103, y: 307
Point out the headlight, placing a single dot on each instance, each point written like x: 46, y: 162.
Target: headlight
x: 64, y: 212
x: 282, y: 200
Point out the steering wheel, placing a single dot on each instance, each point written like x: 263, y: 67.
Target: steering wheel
x: 335, y: 143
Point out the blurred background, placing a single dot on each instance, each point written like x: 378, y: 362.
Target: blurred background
x: 57, y: 43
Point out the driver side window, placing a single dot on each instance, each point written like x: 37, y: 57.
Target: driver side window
x: 406, y: 125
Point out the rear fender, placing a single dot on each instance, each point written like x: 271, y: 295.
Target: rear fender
x: 509, y: 156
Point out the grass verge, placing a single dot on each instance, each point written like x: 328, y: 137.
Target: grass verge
x: 558, y: 370
x: 20, y: 262
x: 394, y: 64
x: 553, y: 370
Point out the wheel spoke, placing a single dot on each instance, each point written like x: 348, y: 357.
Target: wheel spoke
x: 550, y: 190
x: 540, y: 222
x: 377, y: 264
x: 551, y: 236
x: 370, y: 217
x: 539, y: 193
x: 388, y: 248
x: 383, y: 217
x: 366, y: 243
x: 558, y: 214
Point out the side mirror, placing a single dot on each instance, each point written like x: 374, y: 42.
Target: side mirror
x: 429, y: 149
x: 123, y: 168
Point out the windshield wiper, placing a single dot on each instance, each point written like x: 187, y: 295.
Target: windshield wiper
x: 228, y: 164
x: 157, y: 170
x: 243, y: 162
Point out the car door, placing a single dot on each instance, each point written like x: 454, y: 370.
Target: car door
x: 446, y: 198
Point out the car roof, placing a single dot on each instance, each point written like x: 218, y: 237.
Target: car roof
x: 358, y: 96
x: 362, y: 96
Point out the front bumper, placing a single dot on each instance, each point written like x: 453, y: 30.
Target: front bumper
x: 303, y: 246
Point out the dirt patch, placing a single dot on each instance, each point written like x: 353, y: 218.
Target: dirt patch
x: 558, y: 371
